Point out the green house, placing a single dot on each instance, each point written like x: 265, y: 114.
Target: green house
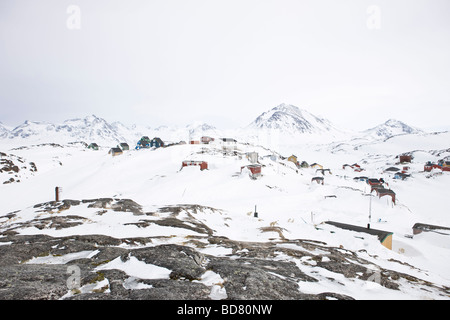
x: 124, y: 146
x: 93, y: 146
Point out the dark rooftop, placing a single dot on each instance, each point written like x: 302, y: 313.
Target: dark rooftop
x: 382, y: 235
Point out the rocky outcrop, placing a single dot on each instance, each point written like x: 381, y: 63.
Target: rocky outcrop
x: 39, y: 266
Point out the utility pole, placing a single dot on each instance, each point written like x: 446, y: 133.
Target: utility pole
x: 370, y: 211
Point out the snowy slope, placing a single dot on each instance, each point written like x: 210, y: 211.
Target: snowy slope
x: 284, y: 197
x: 221, y: 201
x: 389, y: 129
x: 292, y: 120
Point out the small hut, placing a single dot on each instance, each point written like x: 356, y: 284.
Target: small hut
x: 255, y: 170
x: 319, y: 180
x: 124, y: 146
x: 115, y: 151
x: 202, y: 164
x: 93, y: 146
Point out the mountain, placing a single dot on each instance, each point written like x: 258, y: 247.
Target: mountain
x: 96, y: 129
x: 293, y: 120
x: 389, y: 129
x: 4, y: 131
x: 89, y: 129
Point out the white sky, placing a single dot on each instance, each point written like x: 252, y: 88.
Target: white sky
x: 225, y: 61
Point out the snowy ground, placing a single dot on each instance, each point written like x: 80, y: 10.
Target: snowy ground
x: 284, y: 198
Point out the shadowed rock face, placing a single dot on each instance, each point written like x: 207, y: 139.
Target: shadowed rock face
x: 37, y: 266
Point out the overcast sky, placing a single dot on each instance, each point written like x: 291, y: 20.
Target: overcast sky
x: 355, y: 62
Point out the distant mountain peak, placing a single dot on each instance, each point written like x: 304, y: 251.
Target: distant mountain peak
x: 391, y: 128
x: 291, y: 119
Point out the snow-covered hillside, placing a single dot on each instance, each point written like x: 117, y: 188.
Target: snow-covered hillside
x: 289, y: 206
x: 281, y: 214
x: 290, y: 119
x: 389, y: 129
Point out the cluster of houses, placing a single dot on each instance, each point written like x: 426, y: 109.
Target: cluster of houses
x: 115, y: 151
x: 229, y: 145
x: 441, y: 164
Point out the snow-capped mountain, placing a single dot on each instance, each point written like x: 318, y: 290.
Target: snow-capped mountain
x: 3, y: 131
x: 96, y: 129
x: 91, y: 128
x: 389, y: 129
x: 291, y: 119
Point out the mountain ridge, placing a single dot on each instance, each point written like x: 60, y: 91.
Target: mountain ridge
x: 284, y: 118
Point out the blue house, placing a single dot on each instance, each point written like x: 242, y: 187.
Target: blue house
x: 157, y: 143
x: 144, y: 142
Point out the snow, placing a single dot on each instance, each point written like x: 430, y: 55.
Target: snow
x: 284, y: 197
x: 136, y: 268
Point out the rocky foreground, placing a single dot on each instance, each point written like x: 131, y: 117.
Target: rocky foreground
x: 40, y: 266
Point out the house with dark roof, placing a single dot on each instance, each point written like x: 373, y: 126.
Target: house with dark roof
x: 93, y: 146
x: 156, y: 142
x: 405, y: 158
x: 144, y: 142
x: 124, y: 146
x: 319, y: 180
x: 422, y: 227
x: 385, y: 237
x: 401, y: 175
x: 381, y: 192
x: 115, y: 151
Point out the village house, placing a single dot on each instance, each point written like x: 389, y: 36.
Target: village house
x: 255, y: 170
x: 405, y: 158
x: 206, y: 140
x: 384, y: 237
x: 156, y: 143
x: 316, y: 166
x: 115, y: 151
x: 293, y: 159
x: 124, y: 146
x: 228, y: 144
x: 420, y: 227
x: 319, y: 180
x: 93, y: 146
x: 323, y: 171
x: 401, y: 176
x: 304, y: 164
x: 202, y: 164
x: 381, y: 192
x: 144, y: 142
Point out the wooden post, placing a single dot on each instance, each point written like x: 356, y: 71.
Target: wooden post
x: 256, y: 213
x: 56, y: 194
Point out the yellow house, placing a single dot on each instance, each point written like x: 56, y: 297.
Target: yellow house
x: 317, y: 166
x: 293, y: 159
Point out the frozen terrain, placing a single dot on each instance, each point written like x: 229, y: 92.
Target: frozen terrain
x: 143, y: 200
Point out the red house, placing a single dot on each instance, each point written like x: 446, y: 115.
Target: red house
x: 255, y: 170
x: 206, y: 140
x: 405, y: 159
x: 203, y: 164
